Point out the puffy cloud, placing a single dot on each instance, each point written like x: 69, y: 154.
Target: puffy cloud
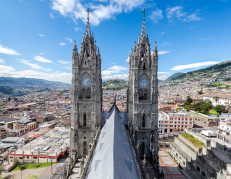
x: 77, y: 29
x: 162, y: 33
x: 41, y: 35
x: 62, y: 44
x: 162, y: 52
x: 7, y: 50
x: 163, y: 75
x: 4, y: 69
x: 64, y: 62
x: 69, y: 39
x: 156, y: 15
x: 101, y: 10
x: 194, y: 65
x: 178, y: 13
x: 127, y: 60
x: 123, y: 77
x: 42, y: 59
x: 32, y: 65
x: 114, y: 72
x: 2, y: 61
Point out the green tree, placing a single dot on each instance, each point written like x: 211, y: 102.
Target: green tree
x: 1, y: 170
x: 188, y: 101
x: 220, y: 109
x: 200, y: 92
x: 216, y: 98
x: 16, y: 162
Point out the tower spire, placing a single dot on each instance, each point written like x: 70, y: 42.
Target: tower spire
x: 88, y: 32
x: 143, y: 31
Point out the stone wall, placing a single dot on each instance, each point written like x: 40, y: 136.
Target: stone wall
x: 204, y: 140
x: 186, y: 148
x: 196, y: 149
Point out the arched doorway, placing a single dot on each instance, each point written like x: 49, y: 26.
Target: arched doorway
x: 142, y: 149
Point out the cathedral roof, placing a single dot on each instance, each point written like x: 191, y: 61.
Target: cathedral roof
x: 112, y: 157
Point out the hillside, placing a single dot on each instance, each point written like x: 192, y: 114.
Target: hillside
x: 114, y: 84
x: 30, y: 81
x: 174, y: 76
x: 220, y: 69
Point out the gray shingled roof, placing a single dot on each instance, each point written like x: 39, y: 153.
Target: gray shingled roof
x: 112, y: 158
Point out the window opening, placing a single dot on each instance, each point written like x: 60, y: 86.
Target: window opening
x: 143, y: 121
x: 84, y: 119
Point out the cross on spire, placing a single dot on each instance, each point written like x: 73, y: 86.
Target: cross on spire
x: 88, y: 10
x: 144, y: 14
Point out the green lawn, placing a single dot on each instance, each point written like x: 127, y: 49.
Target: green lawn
x: 213, y: 112
x: 192, y: 139
x: 32, y: 177
x: 33, y: 166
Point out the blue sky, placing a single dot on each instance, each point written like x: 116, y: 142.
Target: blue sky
x: 37, y: 37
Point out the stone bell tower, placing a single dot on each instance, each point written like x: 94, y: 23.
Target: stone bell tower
x: 143, y: 97
x: 86, y: 100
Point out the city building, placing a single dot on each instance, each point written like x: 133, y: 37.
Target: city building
x: 176, y: 121
x: 52, y: 146
x: 222, y: 99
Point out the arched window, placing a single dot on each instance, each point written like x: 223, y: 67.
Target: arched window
x: 88, y: 93
x: 85, y: 63
x: 140, y: 94
x: 142, y: 149
x: 84, y: 119
x: 83, y: 93
x: 143, y: 120
x: 144, y: 66
x: 84, y: 148
x: 145, y: 94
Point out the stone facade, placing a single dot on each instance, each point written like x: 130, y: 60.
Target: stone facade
x: 86, y: 101
x: 143, y: 97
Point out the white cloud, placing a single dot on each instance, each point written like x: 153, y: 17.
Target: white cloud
x: 194, y: 65
x: 41, y: 53
x: 2, y: 61
x: 178, y: 13
x: 5, y: 69
x: 42, y: 59
x: 156, y: 15
x: 202, y: 39
x: 62, y: 44
x: 192, y: 17
x: 162, y: 33
x: 69, y: 39
x: 64, y: 62
x: 77, y: 29
x: 165, y: 43
x: 7, y: 50
x: 163, y: 75
x: 162, y: 52
x: 41, y: 35
x: 127, y: 60
x: 191, y: 27
x: 67, y: 68
x: 123, y: 77
x: 101, y: 10
x: 51, y: 15
x: 33, y: 65
x: 114, y: 69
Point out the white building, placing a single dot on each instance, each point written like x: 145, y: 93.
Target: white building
x: 223, y: 99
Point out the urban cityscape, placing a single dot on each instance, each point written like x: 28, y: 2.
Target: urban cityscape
x: 83, y: 113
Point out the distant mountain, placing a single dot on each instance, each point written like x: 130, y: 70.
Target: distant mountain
x: 174, y: 76
x: 207, y: 72
x: 29, y: 81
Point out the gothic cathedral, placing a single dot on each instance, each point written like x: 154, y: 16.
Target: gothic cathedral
x: 142, y: 97
x: 86, y: 101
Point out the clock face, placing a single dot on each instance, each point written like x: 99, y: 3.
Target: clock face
x: 86, y: 82
x: 143, y: 83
